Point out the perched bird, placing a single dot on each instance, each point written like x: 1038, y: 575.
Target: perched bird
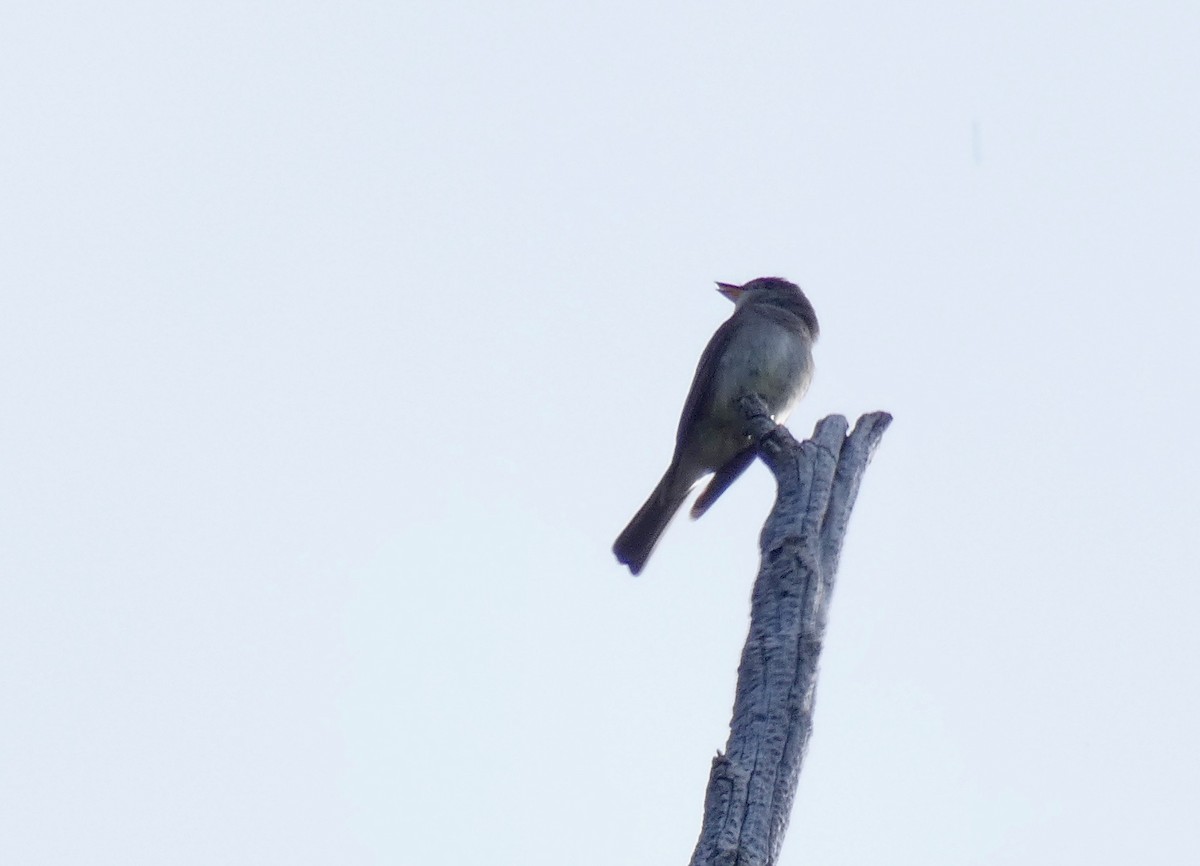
x: 764, y: 348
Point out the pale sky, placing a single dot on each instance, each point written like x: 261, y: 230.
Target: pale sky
x: 338, y: 342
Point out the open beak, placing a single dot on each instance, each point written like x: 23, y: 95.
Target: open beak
x: 730, y: 291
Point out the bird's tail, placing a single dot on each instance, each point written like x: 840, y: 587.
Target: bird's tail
x: 635, y: 544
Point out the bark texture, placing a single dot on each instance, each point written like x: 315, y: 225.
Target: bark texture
x: 753, y: 783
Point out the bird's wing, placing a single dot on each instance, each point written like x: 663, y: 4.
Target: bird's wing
x: 724, y: 476
x: 699, y: 399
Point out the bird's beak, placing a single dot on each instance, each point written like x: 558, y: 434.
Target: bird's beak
x: 730, y: 291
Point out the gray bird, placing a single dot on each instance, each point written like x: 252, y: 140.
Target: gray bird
x: 764, y: 348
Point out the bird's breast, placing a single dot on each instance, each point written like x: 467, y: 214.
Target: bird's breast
x: 751, y: 354
x: 767, y: 359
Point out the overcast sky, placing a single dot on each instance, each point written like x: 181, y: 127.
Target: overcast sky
x: 338, y: 342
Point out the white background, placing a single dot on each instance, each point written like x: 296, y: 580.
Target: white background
x: 338, y: 341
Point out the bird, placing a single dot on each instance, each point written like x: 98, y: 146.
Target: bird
x: 764, y: 348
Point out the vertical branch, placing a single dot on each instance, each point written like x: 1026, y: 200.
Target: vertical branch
x: 752, y: 785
